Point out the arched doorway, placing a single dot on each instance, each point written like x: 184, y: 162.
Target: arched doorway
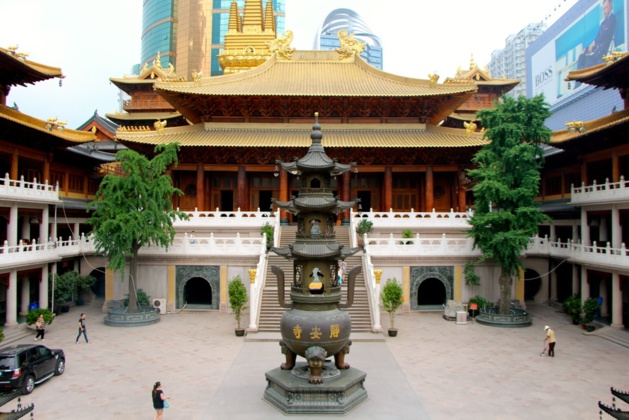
x: 532, y: 284
x: 197, y: 293
x: 431, y: 292
x: 98, y: 288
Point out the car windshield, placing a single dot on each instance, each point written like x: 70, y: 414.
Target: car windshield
x: 7, y: 362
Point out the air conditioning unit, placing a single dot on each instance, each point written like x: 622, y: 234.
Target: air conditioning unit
x: 161, y: 305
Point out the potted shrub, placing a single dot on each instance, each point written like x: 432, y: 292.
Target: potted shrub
x: 31, y: 316
x: 82, y: 285
x: 471, y: 278
x: 407, y: 234
x: 63, y: 289
x: 392, y: 297
x: 237, y: 294
x: 572, y: 306
x: 364, y: 226
x: 269, y: 230
x: 481, y: 303
x: 590, y: 309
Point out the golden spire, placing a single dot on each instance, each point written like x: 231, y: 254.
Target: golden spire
x: 472, y: 63
x: 269, y: 19
x: 234, y: 25
x: 252, y: 20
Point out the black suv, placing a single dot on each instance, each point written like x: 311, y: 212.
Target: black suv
x: 24, y: 365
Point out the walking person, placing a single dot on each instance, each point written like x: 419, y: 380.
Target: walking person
x: 82, y: 329
x: 40, y: 325
x: 159, y: 400
x: 550, y: 336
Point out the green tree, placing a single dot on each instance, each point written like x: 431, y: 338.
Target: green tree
x: 507, y: 176
x: 134, y: 209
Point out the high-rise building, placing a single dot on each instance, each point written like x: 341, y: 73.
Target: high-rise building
x: 353, y: 23
x: 159, y: 29
x: 190, y: 33
x: 510, y: 62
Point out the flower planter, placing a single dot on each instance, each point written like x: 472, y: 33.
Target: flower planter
x: 392, y: 332
x: 240, y: 332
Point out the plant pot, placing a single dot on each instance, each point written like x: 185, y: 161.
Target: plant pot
x: 64, y: 308
x: 240, y: 332
x: 80, y: 302
x: 392, y: 332
x: 590, y: 328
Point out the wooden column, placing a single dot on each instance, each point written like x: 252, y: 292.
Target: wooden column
x: 430, y: 187
x: 461, y: 192
x: 346, y: 179
x: 615, y: 168
x: 242, y: 189
x: 201, y: 188
x: 46, y: 174
x: 388, y: 189
x: 14, y: 165
x: 283, y: 195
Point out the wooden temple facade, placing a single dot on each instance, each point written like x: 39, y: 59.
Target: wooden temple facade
x: 242, y: 123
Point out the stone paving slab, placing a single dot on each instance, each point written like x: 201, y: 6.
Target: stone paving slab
x: 432, y: 369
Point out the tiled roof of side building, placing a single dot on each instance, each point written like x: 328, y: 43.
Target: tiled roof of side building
x: 15, y: 69
x: 590, y: 128
x: 10, y: 115
x: 610, y: 74
x: 298, y: 135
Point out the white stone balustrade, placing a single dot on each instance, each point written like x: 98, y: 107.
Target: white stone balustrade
x: 418, y: 246
x: 409, y: 220
x: 28, y: 191
x: 255, y: 291
x: 226, y: 219
x: 607, y: 193
x: 209, y: 245
x: 373, y: 292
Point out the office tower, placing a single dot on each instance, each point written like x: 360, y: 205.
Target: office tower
x: 510, y: 62
x: 327, y: 35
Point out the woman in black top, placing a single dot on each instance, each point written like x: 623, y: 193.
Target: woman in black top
x: 158, y: 400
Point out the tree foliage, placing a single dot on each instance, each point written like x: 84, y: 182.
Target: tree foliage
x: 135, y: 209
x: 507, y: 176
x: 237, y: 294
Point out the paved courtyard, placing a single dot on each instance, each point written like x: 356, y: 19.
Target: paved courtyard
x: 434, y: 369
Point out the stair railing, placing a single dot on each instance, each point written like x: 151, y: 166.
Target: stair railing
x: 373, y: 288
x: 256, y: 288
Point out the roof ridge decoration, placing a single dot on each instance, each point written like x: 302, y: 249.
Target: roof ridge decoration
x: 281, y: 46
x: 349, y: 46
x: 156, y: 71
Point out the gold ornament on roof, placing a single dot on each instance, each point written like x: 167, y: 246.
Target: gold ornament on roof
x: 159, y: 126
x: 94, y: 129
x: 434, y: 78
x: 349, y: 45
x: 281, y: 46
x: 469, y: 127
x: 196, y: 77
x: 576, y: 126
x: 472, y: 62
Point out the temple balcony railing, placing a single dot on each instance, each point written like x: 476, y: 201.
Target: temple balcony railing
x: 24, y: 255
x: 409, y: 220
x: 209, y: 246
x: 134, y: 105
x: 226, y: 219
x: 606, y: 193
x: 32, y: 192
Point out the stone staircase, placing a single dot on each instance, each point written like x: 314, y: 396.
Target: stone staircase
x: 619, y: 336
x: 270, y: 311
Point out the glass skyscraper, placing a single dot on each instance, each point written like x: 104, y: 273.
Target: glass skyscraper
x: 190, y: 33
x: 352, y: 22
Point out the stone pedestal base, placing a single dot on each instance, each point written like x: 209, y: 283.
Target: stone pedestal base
x: 340, y: 392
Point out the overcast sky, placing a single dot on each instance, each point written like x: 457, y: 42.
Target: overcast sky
x: 92, y: 41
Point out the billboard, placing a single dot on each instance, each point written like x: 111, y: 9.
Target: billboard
x: 595, y: 33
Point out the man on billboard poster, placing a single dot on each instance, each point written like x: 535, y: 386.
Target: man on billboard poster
x: 594, y: 53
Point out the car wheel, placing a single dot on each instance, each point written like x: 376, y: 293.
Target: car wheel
x: 60, y: 367
x: 28, y: 385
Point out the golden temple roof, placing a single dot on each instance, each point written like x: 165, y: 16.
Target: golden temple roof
x: 314, y: 73
x: 298, y: 135
x: 610, y: 74
x: 16, y: 69
x: 52, y: 128
x: 591, y: 128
